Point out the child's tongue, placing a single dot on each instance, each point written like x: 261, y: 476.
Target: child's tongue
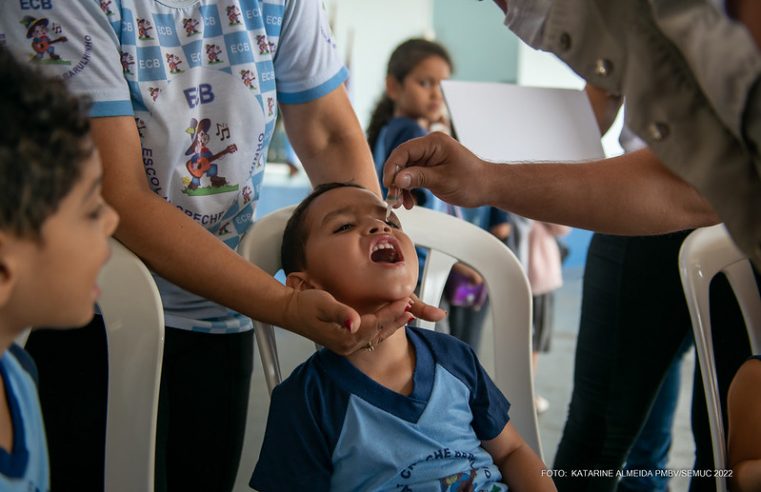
x: 384, y: 255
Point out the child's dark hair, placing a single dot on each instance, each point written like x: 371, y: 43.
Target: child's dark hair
x: 404, y: 58
x: 42, y: 146
x: 292, y: 255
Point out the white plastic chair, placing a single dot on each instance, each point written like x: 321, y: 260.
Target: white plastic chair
x: 706, y: 252
x: 134, y: 319
x: 449, y: 240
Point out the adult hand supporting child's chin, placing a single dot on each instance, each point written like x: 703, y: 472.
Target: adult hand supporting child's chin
x: 317, y: 315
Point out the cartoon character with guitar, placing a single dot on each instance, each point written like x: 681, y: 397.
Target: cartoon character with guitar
x: 37, y: 31
x: 200, y: 162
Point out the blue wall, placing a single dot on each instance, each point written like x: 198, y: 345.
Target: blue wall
x: 278, y: 196
x: 578, y: 242
x: 482, y: 48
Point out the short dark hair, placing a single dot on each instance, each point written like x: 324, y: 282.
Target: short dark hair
x: 43, y: 144
x: 295, y: 235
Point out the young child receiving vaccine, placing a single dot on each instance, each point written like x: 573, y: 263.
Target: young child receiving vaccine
x: 411, y: 106
x: 54, y: 229
x: 415, y: 412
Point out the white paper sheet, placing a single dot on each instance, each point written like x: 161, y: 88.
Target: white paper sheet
x: 508, y: 123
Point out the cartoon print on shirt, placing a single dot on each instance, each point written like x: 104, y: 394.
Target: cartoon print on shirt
x: 461, y: 482
x: 37, y: 31
x: 261, y: 41
x: 212, y: 53
x: 126, y: 60
x: 190, y: 26
x: 246, y: 194
x: 105, y: 6
x: 248, y: 77
x: 270, y: 106
x: 201, y: 161
x: 224, y: 229
x: 233, y: 15
x: 143, y: 26
x: 165, y: 50
x: 174, y: 63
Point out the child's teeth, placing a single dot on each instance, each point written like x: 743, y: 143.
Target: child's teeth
x: 382, y: 246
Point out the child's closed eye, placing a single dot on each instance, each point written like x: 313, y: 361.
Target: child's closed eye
x: 394, y: 224
x: 343, y: 228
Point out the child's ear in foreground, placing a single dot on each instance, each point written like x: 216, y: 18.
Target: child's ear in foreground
x: 7, y: 269
x: 299, y: 281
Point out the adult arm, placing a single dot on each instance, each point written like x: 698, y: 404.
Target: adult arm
x: 171, y: 244
x: 631, y: 194
x: 329, y: 141
x: 519, y: 465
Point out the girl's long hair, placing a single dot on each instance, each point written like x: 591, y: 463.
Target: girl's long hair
x: 402, y: 61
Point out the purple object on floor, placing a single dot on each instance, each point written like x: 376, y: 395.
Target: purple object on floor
x: 461, y: 291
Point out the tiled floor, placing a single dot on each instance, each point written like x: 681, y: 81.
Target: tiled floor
x: 553, y: 381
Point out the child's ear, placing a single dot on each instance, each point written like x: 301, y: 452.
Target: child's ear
x: 7, y: 271
x: 299, y: 281
x: 393, y: 87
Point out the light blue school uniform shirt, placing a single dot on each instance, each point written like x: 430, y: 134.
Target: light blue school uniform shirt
x: 331, y: 427
x: 25, y: 468
x: 202, y: 78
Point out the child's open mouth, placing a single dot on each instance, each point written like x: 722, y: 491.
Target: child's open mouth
x: 386, y: 250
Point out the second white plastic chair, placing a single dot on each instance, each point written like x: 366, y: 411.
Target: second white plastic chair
x: 134, y: 319
x: 705, y: 253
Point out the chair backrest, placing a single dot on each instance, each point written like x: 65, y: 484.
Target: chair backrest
x: 449, y: 240
x: 706, y: 252
x: 134, y: 319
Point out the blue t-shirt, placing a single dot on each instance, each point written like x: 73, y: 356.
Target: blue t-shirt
x: 25, y: 469
x: 203, y: 79
x: 331, y: 427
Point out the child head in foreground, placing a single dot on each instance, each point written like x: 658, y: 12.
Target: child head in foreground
x: 416, y: 413
x: 54, y: 224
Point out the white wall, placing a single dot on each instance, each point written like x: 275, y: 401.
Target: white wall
x: 373, y: 29
x: 542, y: 69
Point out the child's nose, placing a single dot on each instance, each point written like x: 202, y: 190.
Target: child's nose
x: 112, y: 220
x: 378, y: 227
